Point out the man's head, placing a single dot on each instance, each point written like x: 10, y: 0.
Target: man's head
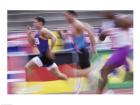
x: 124, y: 21
x: 70, y: 15
x: 109, y: 14
x: 38, y: 22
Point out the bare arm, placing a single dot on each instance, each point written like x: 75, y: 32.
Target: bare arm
x: 104, y: 34
x: 30, y: 35
x: 91, y: 36
x: 62, y: 34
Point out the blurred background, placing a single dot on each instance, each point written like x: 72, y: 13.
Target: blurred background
x: 40, y: 80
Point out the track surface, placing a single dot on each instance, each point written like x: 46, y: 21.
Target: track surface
x: 113, y: 91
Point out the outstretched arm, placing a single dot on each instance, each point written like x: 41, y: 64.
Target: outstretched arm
x: 91, y: 35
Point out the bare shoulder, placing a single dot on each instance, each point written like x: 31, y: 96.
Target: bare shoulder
x: 44, y: 30
x: 79, y: 24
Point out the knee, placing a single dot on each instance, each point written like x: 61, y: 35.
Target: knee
x: 105, y: 72
x: 27, y: 67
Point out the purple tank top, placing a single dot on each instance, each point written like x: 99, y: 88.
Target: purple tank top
x: 42, y: 44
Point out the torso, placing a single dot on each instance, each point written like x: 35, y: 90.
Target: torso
x: 76, y: 30
x: 78, y: 34
x: 41, y: 43
x: 107, y: 25
x: 120, y: 38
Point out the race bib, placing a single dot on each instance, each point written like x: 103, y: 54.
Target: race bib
x: 37, y: 41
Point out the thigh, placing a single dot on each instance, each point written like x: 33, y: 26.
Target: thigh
x: 116, y: 60
x: 46, y: 60
x: 31, y: 64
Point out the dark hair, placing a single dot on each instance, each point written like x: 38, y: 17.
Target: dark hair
x: 72, y: 12
x: 109, y: 14
x: 41, y: 19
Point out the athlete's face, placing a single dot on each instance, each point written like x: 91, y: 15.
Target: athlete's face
x: 69, y: 17
x: 37, y: 24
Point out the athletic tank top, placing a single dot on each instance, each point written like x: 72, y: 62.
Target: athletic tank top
x: 120, y: 38
x: 79, y: 41
x: 41, y: 44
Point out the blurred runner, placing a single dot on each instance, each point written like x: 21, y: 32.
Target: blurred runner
x: 78, y: 30
x: 119, y: 32
x: 40, y: 40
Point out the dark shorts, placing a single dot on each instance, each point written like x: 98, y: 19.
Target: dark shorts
x: 83, y: 58
x: 46, y: 60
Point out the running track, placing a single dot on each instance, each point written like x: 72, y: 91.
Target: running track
x: 115, y: 91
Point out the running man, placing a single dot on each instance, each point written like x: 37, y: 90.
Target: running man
x: 40, y: 40
x: 78, y: 29
x: 119, y: 36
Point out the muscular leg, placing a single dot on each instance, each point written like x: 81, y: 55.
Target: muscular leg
x: 31, y: 65
x: 59, y: 74
x: 104, y: 74
x: 116, y: 60
x: 103, y: 81
x: 84, y: 63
